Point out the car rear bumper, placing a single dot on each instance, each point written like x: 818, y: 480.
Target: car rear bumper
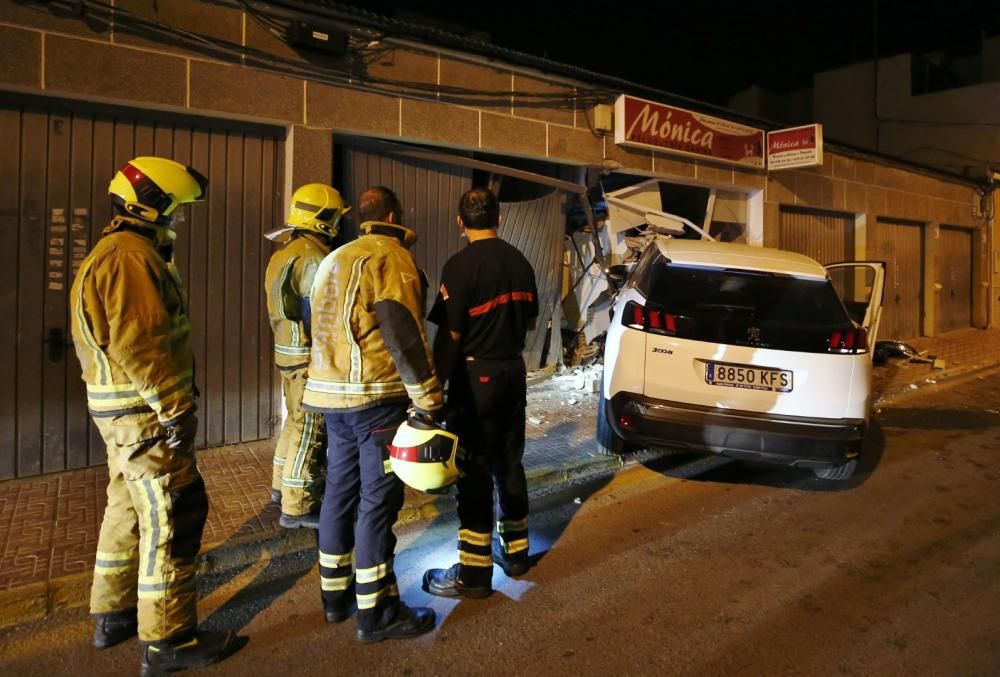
x: 787, y: 440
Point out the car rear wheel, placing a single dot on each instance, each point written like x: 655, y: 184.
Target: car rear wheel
x: 838, y: 473
x: 608, y: 442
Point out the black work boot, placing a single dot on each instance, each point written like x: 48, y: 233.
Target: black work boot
x: 408, y: 623
x: 446, y: 583
x: 114, y: 627
x: 194, y: 651
x: 512, y: 565
x: 275, y: 497
x: 338, y: 613
x: 307, y: 521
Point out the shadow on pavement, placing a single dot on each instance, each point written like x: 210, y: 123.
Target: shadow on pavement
x: 545, y: 535
x: 696, y: 467
x: 257, y: 584
x: 550, y: 517
x: 966, y: 420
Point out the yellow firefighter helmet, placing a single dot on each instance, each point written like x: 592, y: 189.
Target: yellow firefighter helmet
x: 317, y: 207
x: 424, y: 456
x: 151, y: 188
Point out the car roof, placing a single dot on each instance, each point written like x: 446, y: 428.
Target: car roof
x: 711, y: 254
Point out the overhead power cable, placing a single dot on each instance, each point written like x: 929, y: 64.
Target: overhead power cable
x: 361, y: 56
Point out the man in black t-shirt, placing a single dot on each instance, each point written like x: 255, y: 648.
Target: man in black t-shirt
x: 485, y: 305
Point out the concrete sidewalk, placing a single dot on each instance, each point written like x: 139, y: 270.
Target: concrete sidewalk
x: 49, y: 525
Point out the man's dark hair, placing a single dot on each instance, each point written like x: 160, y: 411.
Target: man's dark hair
x: 377, y: 203
x: 479, y: 209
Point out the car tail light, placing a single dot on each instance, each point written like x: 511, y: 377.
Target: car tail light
x: 849, y: 341
x: 653, y: 321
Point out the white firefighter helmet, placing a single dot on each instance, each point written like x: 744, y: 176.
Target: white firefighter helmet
x: 424, y: 456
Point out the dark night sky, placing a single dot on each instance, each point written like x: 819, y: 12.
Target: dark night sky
x: 709, y: 50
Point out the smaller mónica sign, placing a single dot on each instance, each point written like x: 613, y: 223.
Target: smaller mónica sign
x: 795, y: 147
x: 646, y: 124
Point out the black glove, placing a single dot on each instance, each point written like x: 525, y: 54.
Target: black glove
x: 181, y: 434
x: 423, y: 418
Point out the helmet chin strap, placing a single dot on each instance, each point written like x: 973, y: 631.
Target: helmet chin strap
x: 161, y: 225
x: 163, y: 235
x: 142, y: 211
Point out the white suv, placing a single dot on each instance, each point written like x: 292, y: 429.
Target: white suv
x: 744, y: 351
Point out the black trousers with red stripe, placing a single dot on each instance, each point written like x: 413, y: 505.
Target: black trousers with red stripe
x: 487, y: 401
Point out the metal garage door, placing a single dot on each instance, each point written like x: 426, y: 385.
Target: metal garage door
x: 430, y: 190
x: 56, y: 166
x: 955, y: 301
x: 536, y: 228
x: 827, y: 237
x: 901, y: 245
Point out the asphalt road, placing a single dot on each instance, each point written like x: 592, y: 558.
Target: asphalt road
x: 694, y: 566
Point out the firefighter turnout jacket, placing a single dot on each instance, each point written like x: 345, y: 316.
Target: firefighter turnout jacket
x: 132, y: 338
x: 299, y: 456
x: 130, y: 329
x: 369, y: 344
x: 288, y: 279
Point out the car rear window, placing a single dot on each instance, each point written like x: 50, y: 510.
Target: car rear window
x: 741, y: 307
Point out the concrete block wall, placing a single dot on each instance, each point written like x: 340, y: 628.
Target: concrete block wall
x: 846, y: 184
x: 80, y: 58
x: 83, y: 58
x: 518, y: 112
x: 869, y: 191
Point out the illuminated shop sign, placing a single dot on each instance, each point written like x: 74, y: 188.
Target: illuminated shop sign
x: 795, y: 147
x: 646, y: 124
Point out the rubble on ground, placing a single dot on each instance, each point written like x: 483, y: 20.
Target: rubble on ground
x: 586, y: 378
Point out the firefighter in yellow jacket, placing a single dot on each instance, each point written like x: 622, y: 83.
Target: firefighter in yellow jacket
x: 131, y: 334
x: 307, y: 237
x: 369, y: 359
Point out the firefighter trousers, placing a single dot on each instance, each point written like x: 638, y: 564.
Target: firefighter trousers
x: 152, y: 528
x: 361, y: 486
x: 298, y: 457
x: 486, y: 402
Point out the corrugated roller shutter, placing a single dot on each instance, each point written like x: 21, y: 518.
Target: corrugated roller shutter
x: 955, y: 301
x: 537, y: 228
x: 827, y: 237
x: 900, y: 245
x: 53, y: 207
x: 430, y: 192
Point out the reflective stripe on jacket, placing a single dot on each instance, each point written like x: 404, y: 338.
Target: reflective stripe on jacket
x: 130, y: 329
x: 369, y: 344
x: 287, y: 281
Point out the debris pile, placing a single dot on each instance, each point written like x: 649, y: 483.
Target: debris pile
x: 586, y: 378
x: 884, y: 350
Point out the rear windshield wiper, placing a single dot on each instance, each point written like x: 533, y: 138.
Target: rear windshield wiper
x: 725, y: 306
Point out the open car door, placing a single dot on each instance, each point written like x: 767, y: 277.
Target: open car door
x: 861, y: 286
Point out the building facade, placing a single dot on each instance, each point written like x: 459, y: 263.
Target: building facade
x: 935, y: 109
x: 223, y: 88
